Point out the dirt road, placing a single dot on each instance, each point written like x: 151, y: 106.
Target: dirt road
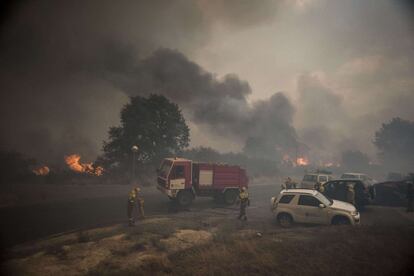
x: 21, y: 224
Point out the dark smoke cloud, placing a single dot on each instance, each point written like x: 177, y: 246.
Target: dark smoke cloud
x: 220, y: 105
x: 67, y: 67
x: 56, y: 94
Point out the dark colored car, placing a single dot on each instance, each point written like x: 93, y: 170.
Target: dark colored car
x: 391, y: 193
x: 337, y: 189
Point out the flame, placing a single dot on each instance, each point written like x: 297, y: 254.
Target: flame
x: 73, y: 161
x: 41, y: 170
x: 302, y: 161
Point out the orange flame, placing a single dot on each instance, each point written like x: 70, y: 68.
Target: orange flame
x: 73, y: 161
x: 302, y: 161
x: 41, y: 170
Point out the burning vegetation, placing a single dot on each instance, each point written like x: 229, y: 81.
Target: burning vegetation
x: 44, y: 170
x: 73, y: 161
x: 300, y: 160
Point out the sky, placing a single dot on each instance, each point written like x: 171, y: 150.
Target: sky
x: 318, y: 73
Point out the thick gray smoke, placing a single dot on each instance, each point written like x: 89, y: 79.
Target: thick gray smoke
x: 59, y: 60
x: 220, y: 105
x: 67, y: 67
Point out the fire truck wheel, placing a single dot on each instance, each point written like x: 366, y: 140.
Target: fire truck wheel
x: 185, y: 198
x: 219, y: 198
x: 230, y: 197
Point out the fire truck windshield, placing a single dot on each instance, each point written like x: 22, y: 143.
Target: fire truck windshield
x: 165, y: 168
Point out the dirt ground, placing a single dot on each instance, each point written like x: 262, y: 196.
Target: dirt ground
x: 87, y: 234
x: 213, y: 242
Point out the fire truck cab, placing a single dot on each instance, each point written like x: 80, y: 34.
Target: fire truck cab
x: 182, y: 180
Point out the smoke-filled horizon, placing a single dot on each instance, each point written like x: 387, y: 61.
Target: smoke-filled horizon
x: 276, y: 74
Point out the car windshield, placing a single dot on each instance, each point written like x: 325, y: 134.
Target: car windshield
x: 349, y: 176
x: 165, y: 168
x: 310, y: 177
x: 324, y: 199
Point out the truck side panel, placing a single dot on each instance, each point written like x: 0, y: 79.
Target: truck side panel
x: 225, y: 175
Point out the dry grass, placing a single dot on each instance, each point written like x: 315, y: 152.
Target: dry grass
x: 330, y: 251
x: 222, y: 246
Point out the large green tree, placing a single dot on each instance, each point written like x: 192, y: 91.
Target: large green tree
x: 395, y: 141
x: 154, y: 124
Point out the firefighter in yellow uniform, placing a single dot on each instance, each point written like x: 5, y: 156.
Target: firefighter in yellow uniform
x: 134, y: 201
x: 244, y: 202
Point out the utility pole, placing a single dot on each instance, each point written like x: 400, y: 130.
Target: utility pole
x: 134, y: 150
x: 296, y: 154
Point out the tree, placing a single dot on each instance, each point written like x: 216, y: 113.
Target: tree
x: 395, y: 142
x: 154, y: 124
x: 355, y: 160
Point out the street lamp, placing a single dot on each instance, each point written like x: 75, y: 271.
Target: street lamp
x: 134, y: 150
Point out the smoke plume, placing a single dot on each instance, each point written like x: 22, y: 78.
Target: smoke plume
x: 219, y: 104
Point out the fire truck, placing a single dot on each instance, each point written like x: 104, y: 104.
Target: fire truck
x: 182, y: 180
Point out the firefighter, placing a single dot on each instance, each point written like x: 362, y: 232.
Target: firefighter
x: 410, y: 196
x: 134, y: 201
x: 350, y: 194
x: 244, y: 202
x: 288, y: 183
x: 319, y: 187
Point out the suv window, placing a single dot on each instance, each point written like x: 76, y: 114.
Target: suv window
x: 308, y: 201
x: 310, y: 177
x: 286, y: 199
x: 322, y: 178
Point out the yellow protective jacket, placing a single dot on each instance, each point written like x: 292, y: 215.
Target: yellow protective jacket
x: 133, y: 196
x: 244, y: 198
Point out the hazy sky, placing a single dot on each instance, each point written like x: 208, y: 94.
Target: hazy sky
x: 346, y: 66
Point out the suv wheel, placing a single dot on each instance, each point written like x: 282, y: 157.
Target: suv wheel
x: 285, y: 220
x: 185, y: 198
x: 341, y: 221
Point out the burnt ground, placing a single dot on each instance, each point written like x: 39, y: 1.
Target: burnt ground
x: 386, y: 232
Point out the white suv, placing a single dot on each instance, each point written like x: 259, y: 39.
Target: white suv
x: 310, y: 206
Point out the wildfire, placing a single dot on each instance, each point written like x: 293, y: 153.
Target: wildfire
x: 73, y: 161
x: 41, y: 170
x: 302, y: 161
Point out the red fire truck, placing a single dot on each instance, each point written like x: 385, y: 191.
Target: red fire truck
x: 183, y: 180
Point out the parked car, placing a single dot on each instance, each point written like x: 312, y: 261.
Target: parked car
x: 310, y: 206
x: 337, y: 189
x: 395, y: 176
x: 310, y: 179
x: 360, y: 176
x: 391, y: 193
